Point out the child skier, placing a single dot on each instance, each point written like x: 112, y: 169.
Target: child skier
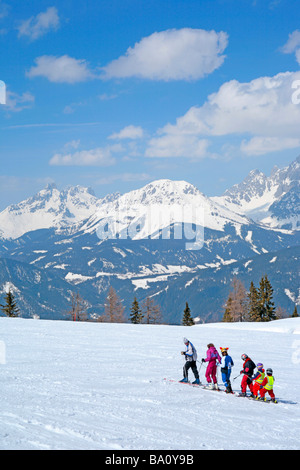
x: 257, y: 379
x: 212, y: 356
x: 226, y: 365
x: 191, y: 357
x: 267, y: 386
x: 248, y: 369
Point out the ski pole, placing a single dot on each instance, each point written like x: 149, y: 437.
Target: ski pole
x: 238, y: 376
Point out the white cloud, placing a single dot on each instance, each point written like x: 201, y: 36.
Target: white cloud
x: 3, y: 10
x: 293, y: 42
x: 177, y: 145
x: 39, y: 25
x: 129, y: 132
x: 2, y: 92
x: 293, y: 45
x: 62, y: 69
x: 184, y: 54
x: 264, y: 145
x: 94, y: 157
x: 261, y: 108
x: 16, y: 102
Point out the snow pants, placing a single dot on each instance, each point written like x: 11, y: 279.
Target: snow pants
x: 263, y: 391
x: 190, y: 365
x: 226, y: 377
x: 211, y: 372
x: 256, y: 387
x: 246, y: 381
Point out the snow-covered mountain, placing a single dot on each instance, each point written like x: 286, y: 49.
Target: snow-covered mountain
x: 50, y: 208
x: 151, y: 210
x: 58, y: 242
x: 272, y: 200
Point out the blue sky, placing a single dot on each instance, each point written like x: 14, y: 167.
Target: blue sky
x: 113, y: 94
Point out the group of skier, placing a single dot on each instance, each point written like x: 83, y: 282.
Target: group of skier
x: 259, y: 383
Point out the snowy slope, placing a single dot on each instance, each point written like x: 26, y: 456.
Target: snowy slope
x: 100, y: 386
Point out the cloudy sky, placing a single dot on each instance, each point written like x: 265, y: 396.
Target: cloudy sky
x: 113, y: 94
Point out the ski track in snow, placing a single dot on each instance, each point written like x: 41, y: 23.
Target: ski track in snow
x: 100, y: 386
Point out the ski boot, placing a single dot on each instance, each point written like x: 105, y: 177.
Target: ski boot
x: 210, y: 387
x: 184, y: 380
x: 196, y: 382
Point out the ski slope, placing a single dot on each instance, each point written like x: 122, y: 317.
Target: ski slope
x: 100, y: 386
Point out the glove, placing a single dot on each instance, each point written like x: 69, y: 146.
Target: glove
x: 182, y: 353
x: 202, y: 360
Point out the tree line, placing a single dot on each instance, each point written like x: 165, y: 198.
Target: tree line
x: 254, y: 305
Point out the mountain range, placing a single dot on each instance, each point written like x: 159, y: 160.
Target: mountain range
x: 166, y: 240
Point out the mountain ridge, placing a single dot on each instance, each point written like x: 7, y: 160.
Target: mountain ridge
x: 64, y: 249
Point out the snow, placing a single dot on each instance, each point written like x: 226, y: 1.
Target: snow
x: 151, y: 210
x: 77, y: 278
x: 67, y: 385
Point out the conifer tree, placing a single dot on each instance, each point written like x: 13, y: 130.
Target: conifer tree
x: 266, y: 309
x: 187, y: 319
x: 136, y: 315
x: 295, y: 312
x: 10, y: 307
x: 253, y: 303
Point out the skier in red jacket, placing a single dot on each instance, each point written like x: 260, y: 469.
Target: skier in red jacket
x: 248, y: 369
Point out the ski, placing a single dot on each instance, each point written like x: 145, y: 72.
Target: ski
x: 256, y: 399
x: 202, y: 386
x: 236, y: 394
x: 183, y: 383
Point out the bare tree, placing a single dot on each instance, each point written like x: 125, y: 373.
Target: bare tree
x: 237, y: 307
x: 78, y: 310
x: 113, y: 308
x: 151, y: 312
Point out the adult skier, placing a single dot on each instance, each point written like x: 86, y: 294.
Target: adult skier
x: 248, y: 369
x: 212, y: 356
x: 267, y: 386
x: 258, y: 378
x: 226, y: 365
x: 190, y: 355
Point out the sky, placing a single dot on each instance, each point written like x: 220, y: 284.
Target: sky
x: 114, y: 94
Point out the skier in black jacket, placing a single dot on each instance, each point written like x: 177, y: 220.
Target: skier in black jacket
x: 248, y: 369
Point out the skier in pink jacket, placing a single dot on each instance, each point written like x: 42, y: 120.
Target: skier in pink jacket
x: 212, y: 357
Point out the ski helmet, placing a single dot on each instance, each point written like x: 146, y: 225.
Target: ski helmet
x: 244, y: 357
x: 259, y: 365
x: 269, y: 371
x: 186, y: 341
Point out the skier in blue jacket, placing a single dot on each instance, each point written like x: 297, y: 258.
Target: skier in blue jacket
x: 226, y: 365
